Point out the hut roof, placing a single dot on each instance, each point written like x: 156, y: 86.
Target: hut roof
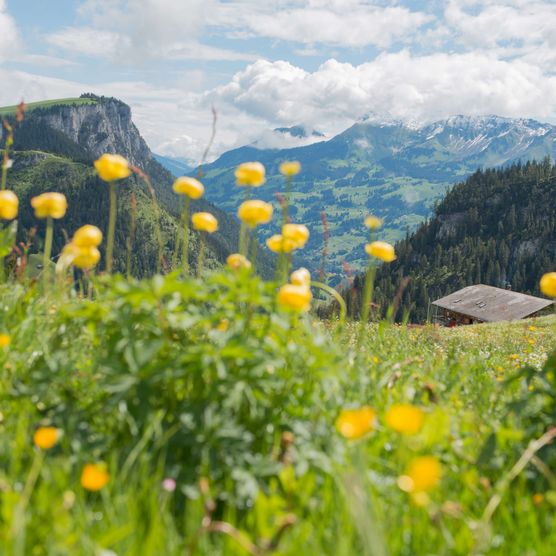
x: 490, y: 304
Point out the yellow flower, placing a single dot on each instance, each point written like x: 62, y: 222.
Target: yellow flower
x: 297, y: 233
x: 422, y: 474
x: 532, y: 328
x: 51, y: 205
x: 373, y: 222
x: 94, y: 476
x: 301, y: 277
x: 278, y: 244
x: 204, y: 222
x: 9, y: 204
x: 404, y: 418
x: 81, y: 257
x: 548, y: 284
x: 5, y: 340
x: 87, y: 236
x: 223, y: 325
x: 538, y: 499
x: 237, y: 261
x: 251, y: 174
x: 86, y: 257
x: 46, y: 437
x: 355, y: 423
x: 111, y: 167
x: 189, y: 186
x: 290, y: 168
x: 381, y: 250
x: 254, y: 213
x: 295, y: 297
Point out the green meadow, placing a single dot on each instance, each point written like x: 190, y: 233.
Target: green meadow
x: 214, y: 412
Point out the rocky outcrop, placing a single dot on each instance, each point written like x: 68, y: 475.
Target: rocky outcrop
x: 104, y: 126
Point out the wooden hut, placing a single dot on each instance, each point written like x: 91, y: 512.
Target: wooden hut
x: 480, y: 303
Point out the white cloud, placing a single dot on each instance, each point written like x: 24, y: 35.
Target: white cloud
x: 135, y: 30
x: 398, y: 85
x: 507, y: 29
x: 9, y: 37
x: 348, y: 23
x: 176, y: 29
x: 88, y: 41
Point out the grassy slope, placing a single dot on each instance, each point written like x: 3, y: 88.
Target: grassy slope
x: 346, y: 502
x: 8, y: 110
x: 36, y: 172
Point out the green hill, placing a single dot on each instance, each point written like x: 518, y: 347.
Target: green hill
x: 496, y: 228
x: 29, y: 107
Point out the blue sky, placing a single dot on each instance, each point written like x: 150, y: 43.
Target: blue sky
x: 321, y: 63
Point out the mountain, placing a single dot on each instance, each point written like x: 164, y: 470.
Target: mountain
x: 394, y: 170
x: 175, y: 165
x: 498, y: 228
x: 55, y: 146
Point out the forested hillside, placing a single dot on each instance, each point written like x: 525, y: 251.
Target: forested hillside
x: 497, y: 228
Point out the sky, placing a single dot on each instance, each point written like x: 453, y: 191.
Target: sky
x: 264, y: 64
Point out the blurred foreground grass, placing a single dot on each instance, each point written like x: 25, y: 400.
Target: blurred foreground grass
x: 214, y: 412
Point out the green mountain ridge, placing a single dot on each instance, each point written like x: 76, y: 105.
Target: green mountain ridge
x: 395, y: 171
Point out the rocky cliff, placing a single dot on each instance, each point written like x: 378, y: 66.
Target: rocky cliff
x: 102, y: 126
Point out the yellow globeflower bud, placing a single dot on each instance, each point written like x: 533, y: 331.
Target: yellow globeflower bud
x: 5, y: 340
x: 405, y: 418
x: 279, y: 244
x: 53, y: 205
x: 301, y: 277
x: 111, y: 167
x: 297, y: 233
x: 290, y: 168
x: 86, y: 257
x: 191, y: 187
x: 548, y: 284
x: 9, y: 204
x: 46, y: 437
x: 81, y: 257
x: 295, y: 297
x: 87, y: 236
x: 355, y: 423
x: 422, y: 474
x: 254, y: 213
x: 94, y: 476
x: 204, y: 222
x: 373, y: 222
x: 237, y: 261
x: 251, y: 174
x: 381, y: 250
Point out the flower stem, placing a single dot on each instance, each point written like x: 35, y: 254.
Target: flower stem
x: 336, y: 296
x: 285, y: 206
x: 243, y: 239
x: 111, y: 227
x: 367, y: 299
x: 47, y: 247
x: 185, y: 239
x: 201, y: 258
x: 6, y: 156
x: 254, y: 245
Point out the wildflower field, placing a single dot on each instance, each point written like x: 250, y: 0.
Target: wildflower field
x: 206, y: 412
